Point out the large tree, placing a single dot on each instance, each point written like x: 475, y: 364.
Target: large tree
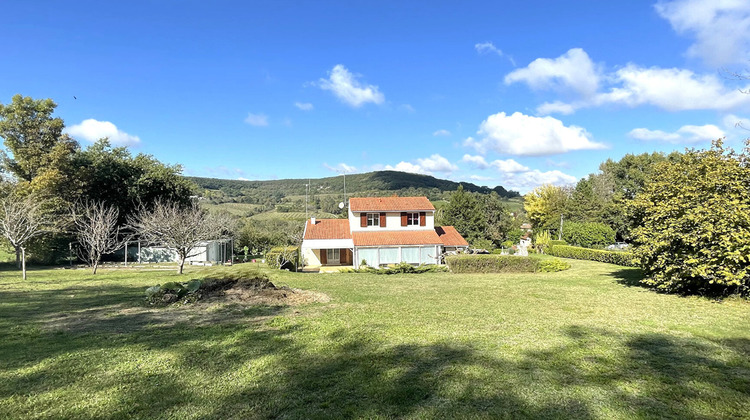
x: 464, y: 212
x: 40, y: 152
x: 695, y: 231
x: 544, y: 205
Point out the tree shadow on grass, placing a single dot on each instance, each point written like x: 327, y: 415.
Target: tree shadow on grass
x: 630, y: 277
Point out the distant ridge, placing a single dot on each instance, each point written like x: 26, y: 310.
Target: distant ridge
x: 382, y: 182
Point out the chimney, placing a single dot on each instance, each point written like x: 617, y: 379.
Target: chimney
x: 312, y: 220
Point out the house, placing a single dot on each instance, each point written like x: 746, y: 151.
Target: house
x: 380, y: 231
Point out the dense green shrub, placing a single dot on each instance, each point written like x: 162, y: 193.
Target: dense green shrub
x: 402, y: 268
x: 588, y: 234
x: 491, y: 264
x: 286, y: 257
x: 557, y: 242
x: 553, y: 265
x: 695, y: 231
x: 613, y: 257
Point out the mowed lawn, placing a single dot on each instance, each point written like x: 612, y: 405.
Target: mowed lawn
x: 584, y: 343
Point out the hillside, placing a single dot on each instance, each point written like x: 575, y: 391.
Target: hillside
x: 371, y: 183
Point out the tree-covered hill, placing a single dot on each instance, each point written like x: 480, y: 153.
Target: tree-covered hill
x: 371, y: 183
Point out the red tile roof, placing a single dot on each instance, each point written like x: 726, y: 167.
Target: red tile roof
x: 406, y: 237
x: 390, y: 204
x: 328, y: 229
x: 450, y: 236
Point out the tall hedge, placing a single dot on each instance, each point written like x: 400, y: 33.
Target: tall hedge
x: 502, y: 264
x: 612, y: 257
x: 588, y: 234
x: 283, y: 257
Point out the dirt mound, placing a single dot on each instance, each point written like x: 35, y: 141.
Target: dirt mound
x: 256, y: 291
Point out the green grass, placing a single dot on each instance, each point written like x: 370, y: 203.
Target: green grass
x: 292, y: 215
x: 237, y: 209
x: 585, y: 343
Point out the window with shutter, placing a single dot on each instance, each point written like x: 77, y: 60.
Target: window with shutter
x: 422, y: 219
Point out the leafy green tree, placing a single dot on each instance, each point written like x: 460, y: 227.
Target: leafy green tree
x: 39, y: 154
x: 464, y: 212
x: 695, y: 231
x: 588, y: 234
x: 498, y: 219
x: 544, y: 205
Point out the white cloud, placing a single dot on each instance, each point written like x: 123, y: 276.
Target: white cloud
x: 477, y: 161
x: 685, y: 134
x: 721, y: 28
x: 257, y: 120
x: 524, y: 135
x: 345, y: 86
x: 509, y: 166
x: 572, y: 70
x: 441, y: 132
x: 92, y: 130
x: 341, y: 168
x: 731, y: 122
x: 672, y: 89
x: 526, y: 181
x: 490, y: 48
x: 434, y: 163
x: 304, y: 106
x: 407, y: 108
x: 480, y: 178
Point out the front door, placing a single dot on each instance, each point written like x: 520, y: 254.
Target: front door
x: 333, y: 256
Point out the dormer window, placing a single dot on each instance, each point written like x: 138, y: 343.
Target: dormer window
x: 373, y: 219
x: 412, y: 219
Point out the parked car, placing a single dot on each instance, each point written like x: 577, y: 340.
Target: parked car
x: 618, y: 246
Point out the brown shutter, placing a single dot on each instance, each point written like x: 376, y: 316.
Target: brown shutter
x: 403, y: 218
x: 422, y: 218
x: 382, y: 219
x: 323, y: 257
x: 363, y: 219
x: 344, y: 257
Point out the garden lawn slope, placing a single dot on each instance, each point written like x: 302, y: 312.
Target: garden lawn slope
x: 582, y: 343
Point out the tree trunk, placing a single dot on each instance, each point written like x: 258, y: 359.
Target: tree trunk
x: 96, y: 264
x: 18, y: 257
x: 23, y: 262
x: 182, y: 264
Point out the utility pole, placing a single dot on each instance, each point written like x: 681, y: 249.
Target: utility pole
x: 307, y: 189
x: 344, y: 189
x: 559, y: 234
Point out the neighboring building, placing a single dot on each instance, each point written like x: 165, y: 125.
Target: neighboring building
x: 380, y: 231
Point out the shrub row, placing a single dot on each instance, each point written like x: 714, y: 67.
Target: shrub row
x: 502, y: 264
x: 588, y: 234
x: 401, y: 268
x: 557, y: 242
x: 613, y: 257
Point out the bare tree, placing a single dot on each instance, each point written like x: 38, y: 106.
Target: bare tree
x: 180, y: 228
x: 21, y: 220
x: 95, y: 226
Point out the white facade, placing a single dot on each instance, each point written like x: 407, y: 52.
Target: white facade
x: 392, y: 221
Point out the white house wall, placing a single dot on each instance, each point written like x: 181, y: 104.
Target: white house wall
x: 392, y: 222
x: 428, y: 255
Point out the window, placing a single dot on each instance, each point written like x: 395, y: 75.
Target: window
x: 373, y: 219
x: 334, y: 255
x: 412, y: 219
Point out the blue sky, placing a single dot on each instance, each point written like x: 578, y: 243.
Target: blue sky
x: 496, y: 93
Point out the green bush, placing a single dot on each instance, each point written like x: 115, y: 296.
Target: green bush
x: 172, y: 292
x: 402, y: 268
x: 553, y: 265
x: 491, y: 264
x: 283, y: 257
x: 557, y: 242
x: 613, y: 257
x: 588, y: 234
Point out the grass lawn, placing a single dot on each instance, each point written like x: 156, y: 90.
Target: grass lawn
x: 583, y: 343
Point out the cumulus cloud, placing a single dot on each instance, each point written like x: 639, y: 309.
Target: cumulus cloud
x: 572, y: 70
x: 432, y: 164
x: 477, y: 161
x: 304, y: 106
x: 721, y: 28
x: 92, y: 130
x: 341, y: 168
x: 441, y: 132
x: 480, y: 178
x: 345, y: 86
x: 509, y: 166
x: 257, y: 120
x: 525, y: 135
x: 672, y: 89
x: 685, y: 134
x: 526, y: 181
